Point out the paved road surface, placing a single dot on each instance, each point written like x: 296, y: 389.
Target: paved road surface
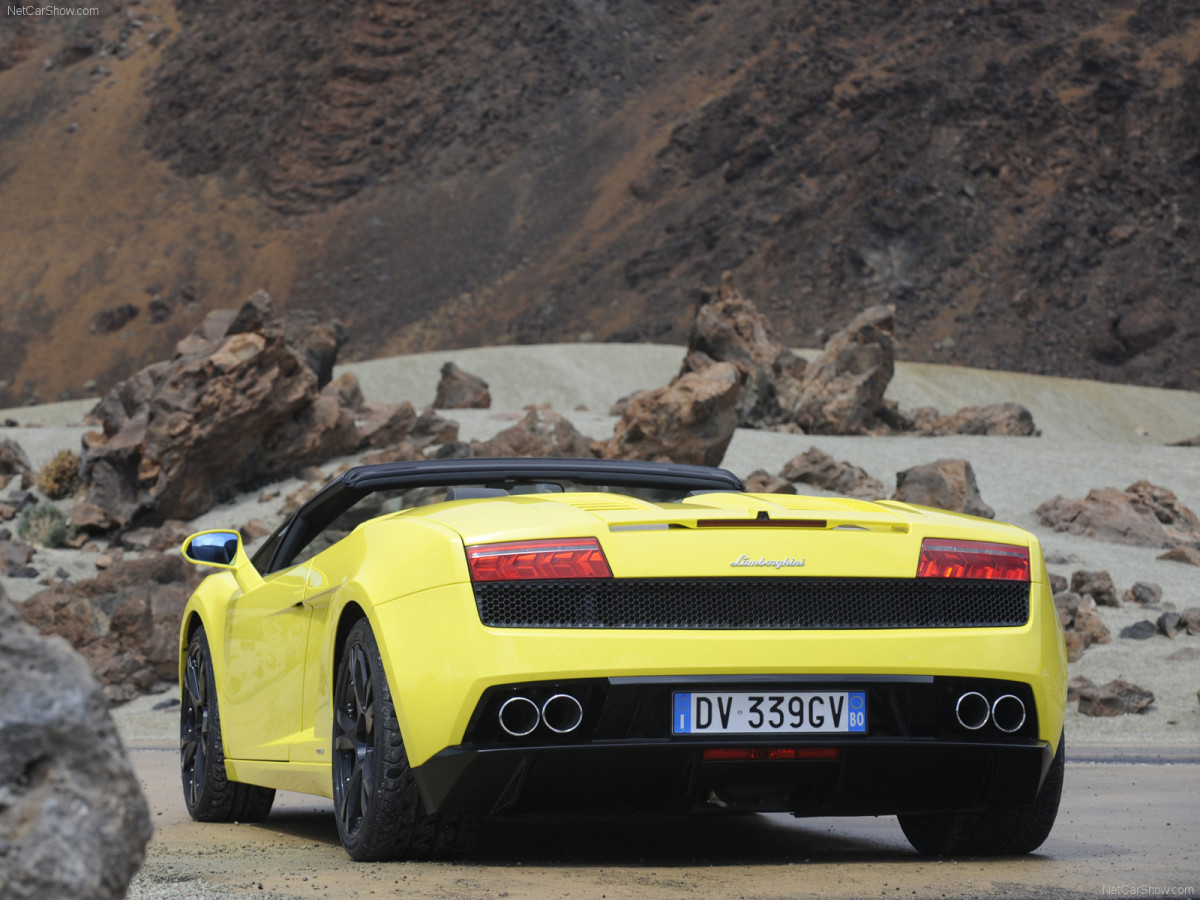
x: 1123, y: 827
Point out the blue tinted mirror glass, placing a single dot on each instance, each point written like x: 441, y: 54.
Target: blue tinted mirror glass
x: 217, y: 548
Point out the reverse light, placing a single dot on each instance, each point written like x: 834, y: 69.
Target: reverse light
x: 538, y: 560
x: 724, y: 754
x: 945, y: 558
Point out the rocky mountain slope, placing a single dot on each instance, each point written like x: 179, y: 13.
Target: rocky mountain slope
x: 1019, y: 178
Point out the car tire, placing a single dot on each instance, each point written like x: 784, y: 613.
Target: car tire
x: 209, y: 794
x: 376, y: 803
x: 1007, y: 831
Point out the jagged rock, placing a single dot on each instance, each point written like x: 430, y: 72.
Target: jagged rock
x: 1190, y: 555
x: 1082, y: 625
x: 1113, y: 699
x: 1098, y: 585
x: 14, y: 462
x: 1144, y: 515
x: 15, y: 557
x: 461, y: 390
x: 1145, y: 593
x: 843, y: 389
x: 1190, y: 618
x: 542, y: 432
x: 729, y: 328
x: 241, y: 402
x: 74, y: 823
x: 125, y: 621
x: 1010, y: 419
x: 1058, y: 583
x: 427, y: 431
x: 821, y: 470
x: 1168, y: 624
x: 1075, y: 685
x: 760, y: 481
x: 1139, y: 631
x: 1087, y: 621
x: 690, y: 420
x: 946, y: 483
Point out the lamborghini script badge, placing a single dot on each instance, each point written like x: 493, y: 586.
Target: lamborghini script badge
x: 764, y: 563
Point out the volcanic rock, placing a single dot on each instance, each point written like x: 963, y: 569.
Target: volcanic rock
x: 729, y: 328
x: 1113, y: 699
x: 1009, y: 419
x: 426, y: 431
x: 74, y: 823
x: 1145, y: 593
x: 461, y: 390
x: 1190, y: 555
x: 843, y: 389
x: 14, y: 462
x: 1140, y: 631
x: 819, y: 469
x: 1143, y: 514
x: 241, y: 402
x: 542, y: 432
x: 125, y: 621
x: 1097, y: 585
x: 760, y: 481
x: 1168, y: 624
x: 690, y: 420
x: 946, y: 484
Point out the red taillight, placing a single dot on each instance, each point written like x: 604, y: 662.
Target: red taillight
x: 722, y: 754
x: 944, y: 558
x: 531, y: 560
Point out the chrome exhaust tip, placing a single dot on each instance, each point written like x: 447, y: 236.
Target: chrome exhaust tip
x: 972, y: 710
x: 518, y: 716
x: 562, y: 713
x: 1008, y: 712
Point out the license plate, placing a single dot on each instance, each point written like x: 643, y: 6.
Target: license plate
x: 770, y: 712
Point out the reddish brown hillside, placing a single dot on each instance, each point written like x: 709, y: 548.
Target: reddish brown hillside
x: 1019, y: 177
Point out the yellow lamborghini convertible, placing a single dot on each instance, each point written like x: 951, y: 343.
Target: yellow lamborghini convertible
x: 429, y: 642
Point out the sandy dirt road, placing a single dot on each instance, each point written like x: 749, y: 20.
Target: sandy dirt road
x: 1124, y: 826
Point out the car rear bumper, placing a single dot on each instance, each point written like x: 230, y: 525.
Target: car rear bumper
x: 868, y: 777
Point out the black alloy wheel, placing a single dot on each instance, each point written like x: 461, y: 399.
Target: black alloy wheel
x: 207, y: 792
x: 376, y: 804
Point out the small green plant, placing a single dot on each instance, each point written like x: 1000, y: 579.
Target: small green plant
x: 60, y: 476
x: 44, y: 525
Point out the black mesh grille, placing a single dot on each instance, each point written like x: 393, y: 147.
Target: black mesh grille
x: 768, y: 603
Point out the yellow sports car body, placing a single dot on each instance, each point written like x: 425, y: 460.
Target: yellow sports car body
x: 428, y: 642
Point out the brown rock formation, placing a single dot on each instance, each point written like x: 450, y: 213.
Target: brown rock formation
x: 461, y: 390
x: 1143, y: 514
x: 947, y: 484
x: 125, y: 621
x: 542, y: 432
x: 690, y: 420
x: 821, y: 470
x: 1116, y: 698
x: 1010, y: 419
x: 843, y: 389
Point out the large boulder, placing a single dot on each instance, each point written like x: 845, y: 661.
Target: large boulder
x: 843, y: 389
x: 729, y: 328
x: 461, y: 390
x: 1008, y: 419
x: 125, y: 621
x: 14, y: 463
x: 542, y: 432
x: 74, y: 823
x: 819, y: 469
x: 1143, y: 514
x: 246, y: 399
x: 690, y: 420
x: 946, y: 484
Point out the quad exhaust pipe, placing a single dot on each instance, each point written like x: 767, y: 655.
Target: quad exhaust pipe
x: 973, y: 711
x: 520, y: 716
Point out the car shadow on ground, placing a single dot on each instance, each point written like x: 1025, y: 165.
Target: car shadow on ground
x: 652, y: 841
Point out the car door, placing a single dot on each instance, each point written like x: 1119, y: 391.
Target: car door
x: 266, y: 633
